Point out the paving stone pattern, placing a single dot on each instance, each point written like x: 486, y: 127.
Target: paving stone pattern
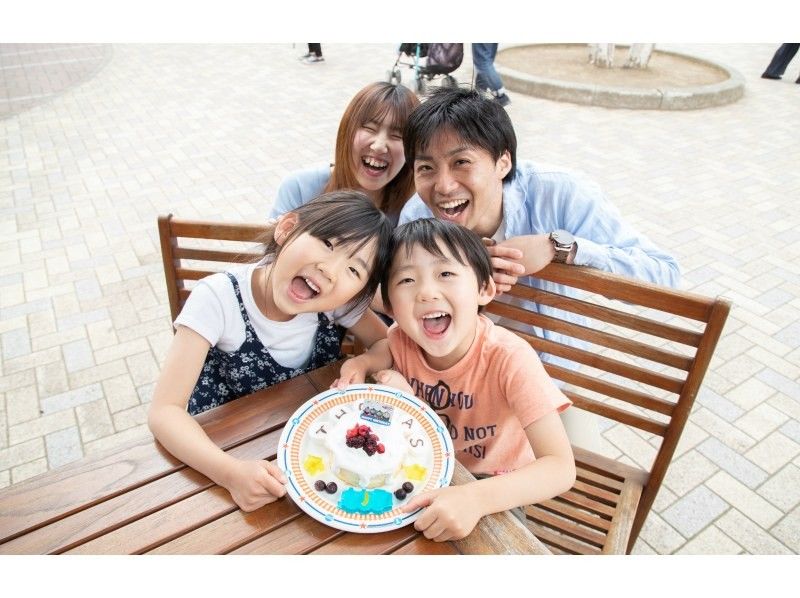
x: 126, y: 132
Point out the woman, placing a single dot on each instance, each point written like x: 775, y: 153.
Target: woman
x: 369, y: 154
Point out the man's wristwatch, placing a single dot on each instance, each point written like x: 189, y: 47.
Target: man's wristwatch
x: 563, y: 242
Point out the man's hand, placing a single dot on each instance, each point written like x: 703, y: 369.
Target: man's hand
x: 450, y: 513
x: 253, y: 484
x: 506, y: 265
x: 518, y: 256
x: 394, y: 379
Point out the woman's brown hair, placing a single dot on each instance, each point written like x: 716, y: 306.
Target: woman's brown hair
x: 373, y: 103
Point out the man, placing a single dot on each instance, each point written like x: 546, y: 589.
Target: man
x: 462, y: 147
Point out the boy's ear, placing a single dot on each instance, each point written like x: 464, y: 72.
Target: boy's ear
x: 285, y: 226
x: 487, y: 292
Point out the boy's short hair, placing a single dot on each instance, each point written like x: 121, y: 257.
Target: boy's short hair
x: 477, y: 119
x: 461, y: 242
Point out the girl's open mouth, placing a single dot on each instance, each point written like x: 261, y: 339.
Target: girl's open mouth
x: 436, y: 324
x: 304, y: 288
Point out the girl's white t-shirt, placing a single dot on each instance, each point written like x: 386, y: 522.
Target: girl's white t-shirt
x: 212, y: 311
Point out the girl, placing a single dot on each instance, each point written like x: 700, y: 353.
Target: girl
x: 262, y: 323
x: 369, y: 154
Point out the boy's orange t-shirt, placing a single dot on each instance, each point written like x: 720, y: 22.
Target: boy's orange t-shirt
x: 487, y: 399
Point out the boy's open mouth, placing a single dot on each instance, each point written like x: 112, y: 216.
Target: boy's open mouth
x: 304, y: 288
x: 374, y: 165
x: 437, y: 323
x: 452, y: 209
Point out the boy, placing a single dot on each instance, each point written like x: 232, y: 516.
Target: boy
x: 486, y: 384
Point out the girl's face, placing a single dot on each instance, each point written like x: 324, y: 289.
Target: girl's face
x: 314, y: 275
x: 377, y: 154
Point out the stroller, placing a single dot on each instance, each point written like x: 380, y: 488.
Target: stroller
x: 439, y: 59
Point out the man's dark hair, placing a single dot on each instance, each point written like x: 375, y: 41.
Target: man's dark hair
x: 464, y: 245
x: 478, y: 120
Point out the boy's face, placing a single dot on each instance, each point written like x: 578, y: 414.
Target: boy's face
x: 462, y: 184
x: 435, y: 302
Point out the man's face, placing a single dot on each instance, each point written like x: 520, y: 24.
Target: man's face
x: 462, y: 184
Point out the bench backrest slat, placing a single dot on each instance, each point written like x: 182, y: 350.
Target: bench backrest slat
x: 186, y: 259
x: 639, y: 353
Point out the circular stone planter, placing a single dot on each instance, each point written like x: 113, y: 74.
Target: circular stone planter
x: 672, y: 80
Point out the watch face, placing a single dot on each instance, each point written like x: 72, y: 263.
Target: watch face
x: 562, y: 237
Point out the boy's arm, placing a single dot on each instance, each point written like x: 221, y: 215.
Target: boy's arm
x: 453, y: 512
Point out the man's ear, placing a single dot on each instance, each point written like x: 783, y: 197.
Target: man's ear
x: 285, y: 226
x: 503, y: 164
x: 487, y: 292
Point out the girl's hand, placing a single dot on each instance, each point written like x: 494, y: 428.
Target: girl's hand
x: 253, y: 484
x: 506, y: 264
x: 354, y: 371
x: 393, y: 379
x: 450, y: 513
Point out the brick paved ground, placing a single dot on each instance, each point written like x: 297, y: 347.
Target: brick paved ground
x: 209, y: 131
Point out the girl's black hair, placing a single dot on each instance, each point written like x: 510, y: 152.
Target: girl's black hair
x: 351, y: 219
x: 465, y: 246
x: 479, y: 121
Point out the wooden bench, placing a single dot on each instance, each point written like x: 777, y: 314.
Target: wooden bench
x: 647, y: 352
x: 647, y: 349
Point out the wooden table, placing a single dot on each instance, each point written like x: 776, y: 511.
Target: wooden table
x: 140, y: 499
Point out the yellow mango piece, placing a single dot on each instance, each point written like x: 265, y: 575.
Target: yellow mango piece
x: 415, y: 472
x: 313, y: 464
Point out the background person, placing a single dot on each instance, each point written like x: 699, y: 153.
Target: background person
x: 313, y: 56
x: 486, y: 77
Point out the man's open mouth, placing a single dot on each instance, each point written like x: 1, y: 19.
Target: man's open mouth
x: 304, y: 287
x: 452, y: 209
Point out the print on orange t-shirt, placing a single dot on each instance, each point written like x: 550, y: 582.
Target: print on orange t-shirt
x: 487, y: 399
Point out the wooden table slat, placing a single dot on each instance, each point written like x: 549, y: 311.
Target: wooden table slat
x: 232, y: 530
x: 382, y: 543
x: 298, y: 536
x: 421, y: 545
x: 124, y: 509
x: 162, y: 526
x: 26, y: 506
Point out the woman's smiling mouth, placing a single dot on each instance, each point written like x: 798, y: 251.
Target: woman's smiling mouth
x: 374, y: 166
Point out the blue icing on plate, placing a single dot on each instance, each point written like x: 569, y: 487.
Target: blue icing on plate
x: 365, y: 501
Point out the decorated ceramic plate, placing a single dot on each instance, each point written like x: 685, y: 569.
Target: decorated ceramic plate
x: 353, y: 458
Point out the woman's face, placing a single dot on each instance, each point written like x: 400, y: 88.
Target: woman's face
x: 377, y: 154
